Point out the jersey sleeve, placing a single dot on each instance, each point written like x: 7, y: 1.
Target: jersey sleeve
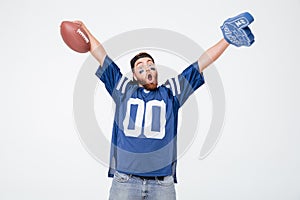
x: 183, y: 85
x: 109, y: 74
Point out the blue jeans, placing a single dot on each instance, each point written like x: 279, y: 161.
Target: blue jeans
x: 127, y: 187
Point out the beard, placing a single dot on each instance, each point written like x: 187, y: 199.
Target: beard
x: 150, y: 86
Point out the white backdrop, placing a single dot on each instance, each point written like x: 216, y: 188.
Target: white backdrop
x: 257, y: 157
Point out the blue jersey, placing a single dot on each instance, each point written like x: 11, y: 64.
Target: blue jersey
x: 144, y: 136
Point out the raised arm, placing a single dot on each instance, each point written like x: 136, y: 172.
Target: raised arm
x: 97, y: 50
x: 212, y: 54
x: 236, y: 32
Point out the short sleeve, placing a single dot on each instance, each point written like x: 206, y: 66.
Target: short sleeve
x: 109, y: 74
x: 183, y: 85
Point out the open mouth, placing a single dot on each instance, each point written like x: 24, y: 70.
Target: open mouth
x: 149, y: 77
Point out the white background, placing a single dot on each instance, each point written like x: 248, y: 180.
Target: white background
x: 257, y: 157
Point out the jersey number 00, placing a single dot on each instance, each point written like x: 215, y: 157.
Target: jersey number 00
x: 145, y: 118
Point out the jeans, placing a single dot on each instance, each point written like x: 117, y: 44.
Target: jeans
x: 127, y: 187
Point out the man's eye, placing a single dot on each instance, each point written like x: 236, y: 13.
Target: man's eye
x: 153, y: 68
x: 141, y: 71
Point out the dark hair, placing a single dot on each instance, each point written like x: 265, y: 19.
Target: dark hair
x: 138, y: 56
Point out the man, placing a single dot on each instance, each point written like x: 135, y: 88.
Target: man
x: 144, y: 137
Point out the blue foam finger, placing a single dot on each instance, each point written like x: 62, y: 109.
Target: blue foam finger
x: 241, y: 21
x: 247, y: 30
x: 236, y: 31
x: 249, y: 34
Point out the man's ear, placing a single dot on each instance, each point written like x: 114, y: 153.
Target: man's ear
x: 134, y: 76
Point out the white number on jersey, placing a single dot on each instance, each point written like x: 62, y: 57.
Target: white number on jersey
x: 154, y: 118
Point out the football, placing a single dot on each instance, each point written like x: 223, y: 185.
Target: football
x: 74, y: 36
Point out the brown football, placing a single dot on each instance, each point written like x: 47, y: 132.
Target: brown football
x: 75, y: 37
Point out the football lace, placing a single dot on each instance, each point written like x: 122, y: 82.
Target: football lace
x: 86, y: 39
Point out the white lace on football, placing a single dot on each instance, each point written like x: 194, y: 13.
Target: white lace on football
x: 86, y: 39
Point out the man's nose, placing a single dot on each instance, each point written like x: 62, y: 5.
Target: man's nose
x: 147, y: 67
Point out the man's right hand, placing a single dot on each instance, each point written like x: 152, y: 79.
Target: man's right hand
x: 97, y: 50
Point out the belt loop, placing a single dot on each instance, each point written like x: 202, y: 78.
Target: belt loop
x: 157, y: 180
